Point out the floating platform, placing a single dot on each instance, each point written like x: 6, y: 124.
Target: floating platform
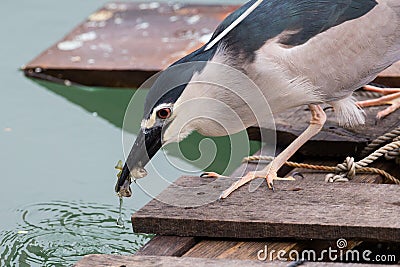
x: 123, y: 44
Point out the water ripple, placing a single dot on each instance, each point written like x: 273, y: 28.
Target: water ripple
x: 60, y: 233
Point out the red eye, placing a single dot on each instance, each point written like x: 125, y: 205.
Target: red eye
x: 164, y: 113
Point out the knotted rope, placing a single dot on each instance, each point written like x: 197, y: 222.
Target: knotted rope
x: 348, y: 169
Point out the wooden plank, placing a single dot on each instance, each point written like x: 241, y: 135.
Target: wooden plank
x: 167, y: 246
x: 390, y: 76
x: 123, y: 43
x: 151, y: 261
x: 234, y: 249
x: 337, y: 141
x: 247, y: 250
x: 308, y: 208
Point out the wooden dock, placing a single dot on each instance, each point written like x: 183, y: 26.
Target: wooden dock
x: 302, y: 216
x: 121, y: 45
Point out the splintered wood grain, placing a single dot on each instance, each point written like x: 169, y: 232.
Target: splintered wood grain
x: 243, y: 250
x: 167, y: 246
x: 151, y: 261
x: 252, y: 250
x: 303, y: 209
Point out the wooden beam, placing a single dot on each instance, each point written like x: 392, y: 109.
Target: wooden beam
x: 390, y: 76
x: 151, y: 261
x: 308, y: 208
x: 235, y: 249
x: 167, y: 246
x: 336, y: 141
x: 249, y: 249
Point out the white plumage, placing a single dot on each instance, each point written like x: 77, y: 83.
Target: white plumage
x: 331, y: 65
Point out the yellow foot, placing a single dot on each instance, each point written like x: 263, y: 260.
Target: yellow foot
x: 391, y: 97
x: 270, y: 176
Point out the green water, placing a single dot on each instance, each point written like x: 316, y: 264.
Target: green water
x: 59, y: 146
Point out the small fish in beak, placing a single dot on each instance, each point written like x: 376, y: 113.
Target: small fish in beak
x: 146, y: 145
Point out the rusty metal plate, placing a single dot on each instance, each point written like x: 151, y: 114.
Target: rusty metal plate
x: 122, y: 44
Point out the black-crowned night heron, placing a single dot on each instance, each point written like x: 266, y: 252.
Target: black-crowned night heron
x: 297, y: 52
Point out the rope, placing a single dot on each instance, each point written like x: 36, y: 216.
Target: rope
x: 347, y: 170
x: 384, y: 139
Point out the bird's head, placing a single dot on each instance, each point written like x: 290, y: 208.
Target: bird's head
x: 163, y: 121
x: 197, y: 93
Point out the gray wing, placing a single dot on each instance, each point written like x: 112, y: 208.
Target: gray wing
x: 305, y: 18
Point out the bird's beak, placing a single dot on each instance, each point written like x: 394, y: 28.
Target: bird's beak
x: 146, y: 145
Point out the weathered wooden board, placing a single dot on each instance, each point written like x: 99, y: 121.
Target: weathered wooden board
x: 151, y: 261
x: 390, y: 76
x: 123, y: 43
x: 308, y: 208
x: 234, y: 249
x: 249, y: 250
x: 333, y: 140
x: 167, y: 246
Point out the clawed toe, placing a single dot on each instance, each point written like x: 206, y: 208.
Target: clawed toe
x: 391, y: 96
x: 270, y: 177
x: 271, y: 186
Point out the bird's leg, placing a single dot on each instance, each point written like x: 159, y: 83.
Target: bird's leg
x: 391, y: 97
x: 318, y: 118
